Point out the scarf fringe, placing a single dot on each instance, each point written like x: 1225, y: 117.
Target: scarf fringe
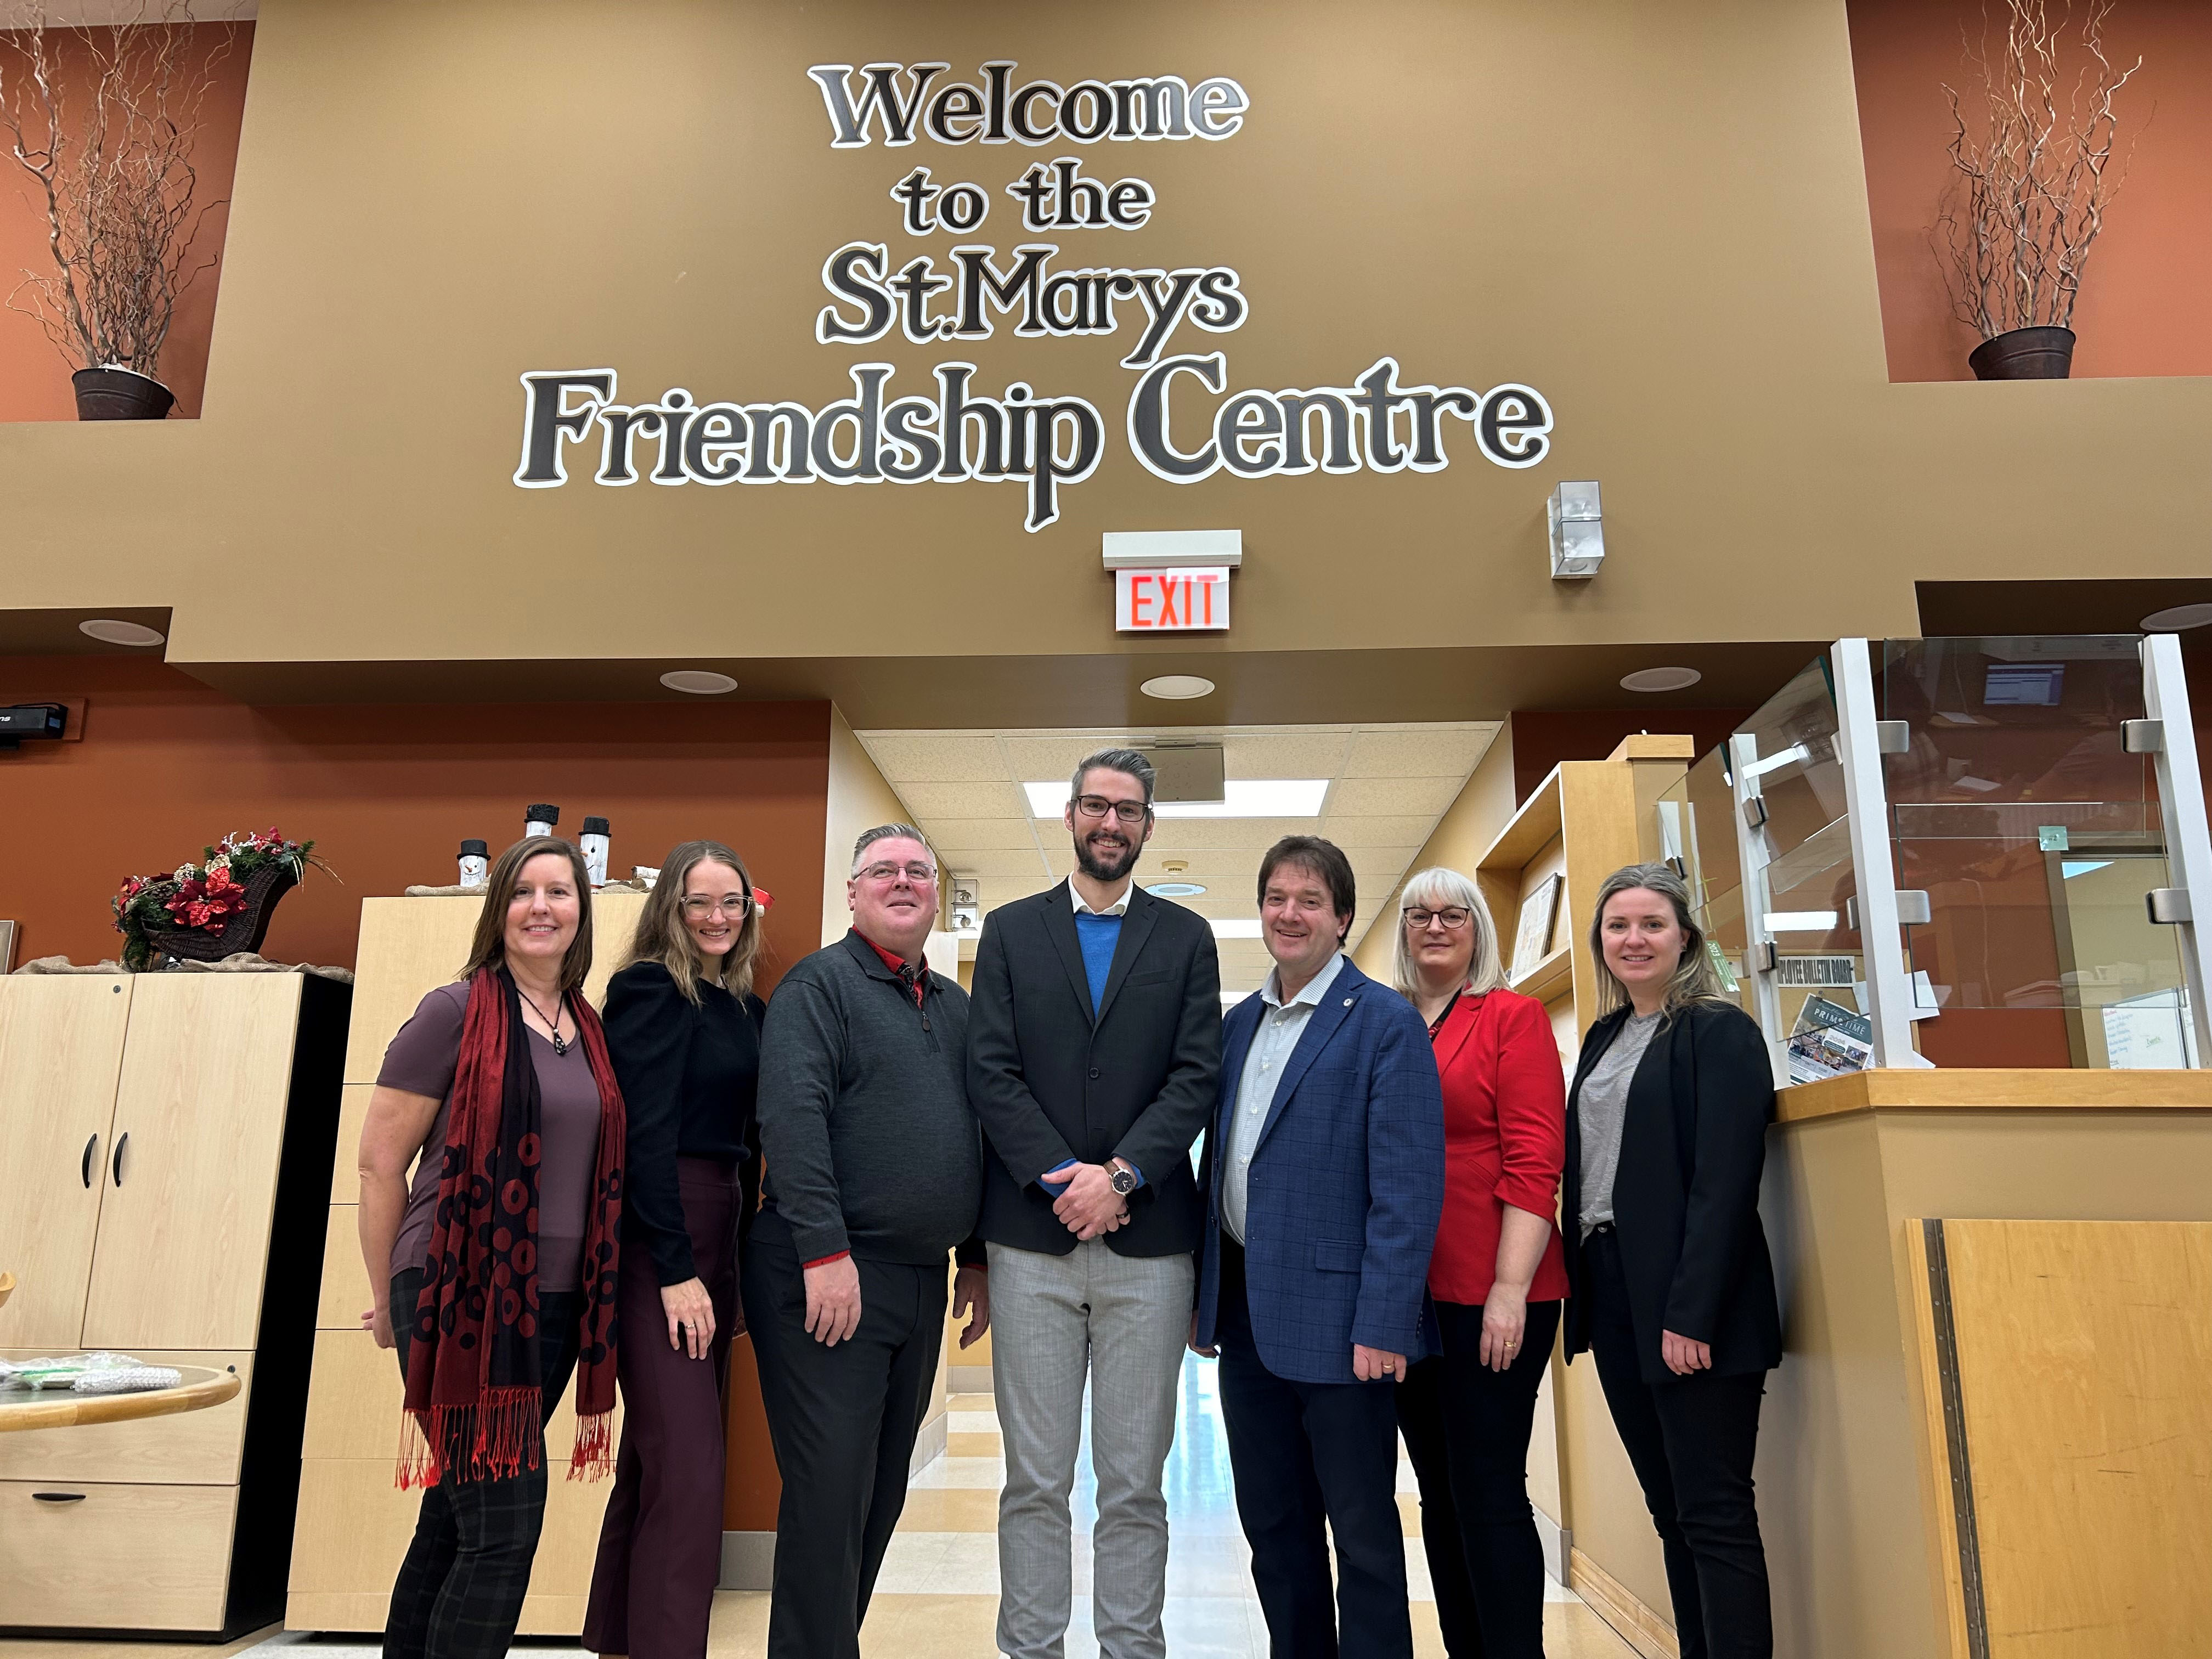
x: 593, y: 1459
x: 492, y: 1439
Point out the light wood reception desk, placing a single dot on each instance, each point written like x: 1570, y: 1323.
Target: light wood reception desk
x: 1991, y: 1441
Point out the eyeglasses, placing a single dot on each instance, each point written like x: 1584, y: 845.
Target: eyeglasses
x: 731, y: 904
x: 1131, y: 812
x: 921, y: 875
x: 1451, y: 916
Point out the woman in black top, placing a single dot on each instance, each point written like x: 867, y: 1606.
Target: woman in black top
x: 1673, y: 1290
x: 683, y: 1030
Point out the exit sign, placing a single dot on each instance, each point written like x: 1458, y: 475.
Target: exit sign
x: 1194, y: 600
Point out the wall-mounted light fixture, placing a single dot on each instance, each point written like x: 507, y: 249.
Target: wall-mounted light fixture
x: 1577, y: 526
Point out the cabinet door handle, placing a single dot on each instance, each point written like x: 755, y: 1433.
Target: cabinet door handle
x: 121, y: 1141
x: 84, y: 1169
x: 57, y: 1497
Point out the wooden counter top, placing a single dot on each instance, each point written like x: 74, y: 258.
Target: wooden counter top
x: 2009, y: 1089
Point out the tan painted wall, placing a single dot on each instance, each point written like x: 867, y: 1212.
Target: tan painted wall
x: 861, y: 798
x: 1656, y: 217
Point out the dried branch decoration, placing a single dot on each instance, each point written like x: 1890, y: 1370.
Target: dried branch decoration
x: 2030, y: 189
x: 116, y: 174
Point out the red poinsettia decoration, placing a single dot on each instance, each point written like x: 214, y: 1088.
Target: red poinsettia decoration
x: 207, y: 901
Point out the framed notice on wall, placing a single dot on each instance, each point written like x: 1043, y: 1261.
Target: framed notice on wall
x: 1532, y: 939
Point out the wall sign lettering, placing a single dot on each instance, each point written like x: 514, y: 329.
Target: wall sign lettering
x: 951, y: 431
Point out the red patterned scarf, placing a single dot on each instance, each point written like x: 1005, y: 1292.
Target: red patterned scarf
x: 474, y: 1399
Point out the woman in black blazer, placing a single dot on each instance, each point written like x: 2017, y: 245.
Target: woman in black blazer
x: 1672, y: 1288
x: 683, y: 1032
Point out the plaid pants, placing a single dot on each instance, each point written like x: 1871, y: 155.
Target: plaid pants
x: 460, y: 1588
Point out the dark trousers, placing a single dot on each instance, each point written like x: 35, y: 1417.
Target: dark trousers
x: 461, y: 1583
x: 843, y: 1422
x: 1691, y: 1440
x: 660, y: 1544
x: 1466, y: 1430
x: 1303, y: 1455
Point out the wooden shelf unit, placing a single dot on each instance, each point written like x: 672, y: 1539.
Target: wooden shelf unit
x: 166, y: 1139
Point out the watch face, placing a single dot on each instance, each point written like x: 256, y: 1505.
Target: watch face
x: 1124, y: 1182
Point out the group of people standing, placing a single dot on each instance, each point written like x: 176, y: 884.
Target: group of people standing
x: 1374, y: 1245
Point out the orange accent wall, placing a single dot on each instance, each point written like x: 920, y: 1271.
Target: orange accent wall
x: 34, y: 379
x: 167, y: 765
x: 2142, y: 308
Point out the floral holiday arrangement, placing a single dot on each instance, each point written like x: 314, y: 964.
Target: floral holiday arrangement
x: 213, y: 909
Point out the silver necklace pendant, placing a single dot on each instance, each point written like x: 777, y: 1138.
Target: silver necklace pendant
x: 560, y: 1045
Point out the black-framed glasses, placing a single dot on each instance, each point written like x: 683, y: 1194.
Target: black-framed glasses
x: 1130, y: 812
x: 919, y: 874
x: 698, y: 906
x: 1451, y: 915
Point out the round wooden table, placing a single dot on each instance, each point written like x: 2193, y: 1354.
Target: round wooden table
x: 57, y: 1408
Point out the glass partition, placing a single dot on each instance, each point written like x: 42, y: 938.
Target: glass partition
x: 2013, y: 801
x: 2015, y: 806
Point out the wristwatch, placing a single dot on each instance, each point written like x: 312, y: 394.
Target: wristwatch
x: 1124, y: 1179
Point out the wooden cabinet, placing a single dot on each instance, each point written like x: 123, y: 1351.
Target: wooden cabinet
x: 354, y: 1521
x: 61, y: 1052
x: 168, y: 1142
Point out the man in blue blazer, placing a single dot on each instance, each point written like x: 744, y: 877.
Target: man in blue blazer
x: 1325, y: 1178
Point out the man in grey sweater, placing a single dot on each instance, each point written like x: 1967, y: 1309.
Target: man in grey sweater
x: 874, y: 1171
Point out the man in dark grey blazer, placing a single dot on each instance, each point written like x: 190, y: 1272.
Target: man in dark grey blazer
x: 1094, y: 1046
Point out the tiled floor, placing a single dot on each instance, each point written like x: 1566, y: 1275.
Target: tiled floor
x: 938, y: 1597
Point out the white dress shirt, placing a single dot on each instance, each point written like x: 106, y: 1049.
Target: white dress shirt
x: 1119, y: 907
x: 1281, y: 1025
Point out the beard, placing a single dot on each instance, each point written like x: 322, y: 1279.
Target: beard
x: 1104, y: 863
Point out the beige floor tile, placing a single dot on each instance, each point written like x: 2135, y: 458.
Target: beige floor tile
x: 931, y: 1627
x: 1571, y: 1631
x: 950, y: 1508
x: 960, y: 1444
x: 972, y: 1402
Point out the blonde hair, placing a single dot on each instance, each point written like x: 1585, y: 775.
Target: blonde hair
x: 489, y: 948
x: 1436, y: 887
x: 1693, y: 979
x: 661, y: 936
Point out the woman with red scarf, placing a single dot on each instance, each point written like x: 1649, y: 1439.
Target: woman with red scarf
x: 500, y: 1255
x: 1496, y: 1277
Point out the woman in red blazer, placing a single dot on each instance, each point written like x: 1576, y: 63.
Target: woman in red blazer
x: 1498, y: 1274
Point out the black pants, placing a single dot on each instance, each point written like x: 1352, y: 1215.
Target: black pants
x: 1691, y: 1440
x: 461, y: 1586
x: 1303, y: 1455
x: 843, y: 1422
x: 1466, y: 1430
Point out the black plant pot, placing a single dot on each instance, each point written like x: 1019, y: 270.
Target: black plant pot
x: 2025, y: 354
x: 120, y: 394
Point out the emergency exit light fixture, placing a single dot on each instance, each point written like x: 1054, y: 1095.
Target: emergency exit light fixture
x: 1578, y: 527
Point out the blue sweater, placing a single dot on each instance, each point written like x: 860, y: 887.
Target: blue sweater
x: 1098, y: 935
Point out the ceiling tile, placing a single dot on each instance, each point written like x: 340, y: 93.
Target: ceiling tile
x: 1350, y: 832
x: 904, y: 756
x: 974, y: 798
x: 1011, y: 862
x: 1311, y: 754
x: 951, y: 836
x: 1432, y: 752
x: 1255, y: 834
x: 1386, y: 796
x: 1031, y: 758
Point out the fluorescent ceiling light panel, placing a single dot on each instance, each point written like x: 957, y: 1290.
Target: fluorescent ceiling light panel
x: 1236, y: 927
x: 1798, y: 921
x: 1246, y: 798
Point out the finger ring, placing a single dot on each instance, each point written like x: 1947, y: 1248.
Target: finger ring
x: 1513, y: 1345
x: 1388, y: 1369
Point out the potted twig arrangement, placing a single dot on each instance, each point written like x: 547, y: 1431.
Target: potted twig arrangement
x: 105, y: 119
x: 2032, y: 179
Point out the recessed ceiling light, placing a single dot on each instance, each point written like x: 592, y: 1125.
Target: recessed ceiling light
x: 1177, y: 687
x: 108, y: 630
x: 700, y: 681
x: 1174, y: 890
x: 2175, y: 617
x: 1660, y: 679
x: 1246, y: 798
x: 1236, y: 927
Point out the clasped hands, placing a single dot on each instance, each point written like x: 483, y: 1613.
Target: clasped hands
x: 1090, y: 1206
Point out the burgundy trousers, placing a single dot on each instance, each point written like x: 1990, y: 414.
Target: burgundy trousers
x: 660, y: 1547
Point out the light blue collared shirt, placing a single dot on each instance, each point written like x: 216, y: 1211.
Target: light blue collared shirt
x: 1281, y: 1028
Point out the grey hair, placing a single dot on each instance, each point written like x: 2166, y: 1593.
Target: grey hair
x: 1435, y: 887
x: 1127, y: 760
x: 1693, y: 979
x: 889, y: 832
